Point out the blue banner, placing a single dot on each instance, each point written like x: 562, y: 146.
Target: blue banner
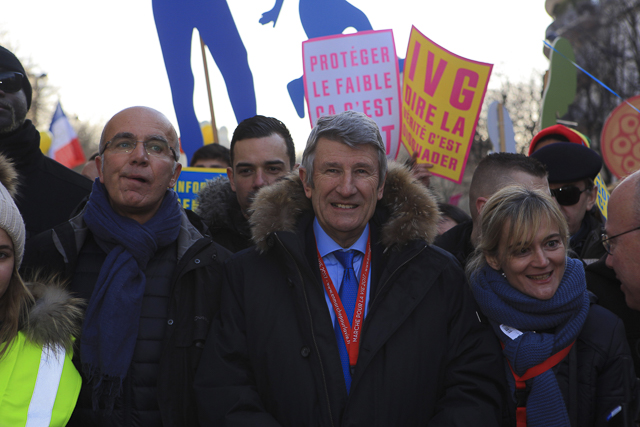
x: 191, y: 181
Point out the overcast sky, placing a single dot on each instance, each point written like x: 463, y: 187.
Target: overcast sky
x: 105, y: 56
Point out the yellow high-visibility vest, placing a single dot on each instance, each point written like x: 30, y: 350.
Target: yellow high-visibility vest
x: 38, y: 386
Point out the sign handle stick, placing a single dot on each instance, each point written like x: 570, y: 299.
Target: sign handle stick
x: 503, y: 143
x: 214, y: 128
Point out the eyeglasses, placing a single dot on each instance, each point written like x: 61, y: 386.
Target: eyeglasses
x: 606, y: 240
x: 153, y: 147
x: 10, y: 81
x: 568, y: 195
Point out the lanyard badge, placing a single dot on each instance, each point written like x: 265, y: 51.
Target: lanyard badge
x: 350, y: 333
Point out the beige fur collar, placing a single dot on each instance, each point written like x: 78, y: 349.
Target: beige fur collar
x: 413, y: 209
x: 56, y: 316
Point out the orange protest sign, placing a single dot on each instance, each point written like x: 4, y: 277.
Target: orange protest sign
x: 442, y: 96
x: 620, y: 140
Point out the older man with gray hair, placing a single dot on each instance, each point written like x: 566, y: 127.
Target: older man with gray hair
x: 345, y: 314
x: 151, y: 275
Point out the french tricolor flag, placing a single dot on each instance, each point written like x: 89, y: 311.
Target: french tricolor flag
x: 65, y: 147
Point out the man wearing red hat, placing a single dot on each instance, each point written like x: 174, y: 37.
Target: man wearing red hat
x: 555, y: 133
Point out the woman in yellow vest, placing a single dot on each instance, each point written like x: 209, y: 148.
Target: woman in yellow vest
x: 39, y: 385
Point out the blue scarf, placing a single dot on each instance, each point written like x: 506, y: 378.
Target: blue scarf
x: 565, y: 313
x: 110, y: 328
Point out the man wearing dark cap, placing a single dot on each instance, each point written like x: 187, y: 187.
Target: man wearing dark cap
x: 572, y: 168
x: 49, y: 191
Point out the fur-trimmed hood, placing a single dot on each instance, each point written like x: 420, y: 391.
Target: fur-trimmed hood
x: 55, y: 317
x: 413, y: 210
x: 9, y: 175
x: 218, y: 205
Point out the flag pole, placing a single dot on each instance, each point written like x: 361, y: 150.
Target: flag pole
x: 214, y: 128
x: 503, y: 143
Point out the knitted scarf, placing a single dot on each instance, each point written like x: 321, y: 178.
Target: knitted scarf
x: 565, y: 313
x: 22, y: 146
x: 110, y: 328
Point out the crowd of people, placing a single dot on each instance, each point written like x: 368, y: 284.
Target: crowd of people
x: 334, y: 292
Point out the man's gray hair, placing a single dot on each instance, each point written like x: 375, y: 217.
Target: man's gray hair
x: 350, y: 128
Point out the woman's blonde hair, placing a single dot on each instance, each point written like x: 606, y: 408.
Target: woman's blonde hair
x: 14, y: 309
x: 519, y: 212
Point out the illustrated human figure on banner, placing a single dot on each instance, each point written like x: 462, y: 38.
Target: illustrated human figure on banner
x: 320, y: 18
x: 175, y: 21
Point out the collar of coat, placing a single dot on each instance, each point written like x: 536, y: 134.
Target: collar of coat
x: 413, y: 210
x: 218, y: 206
x: 55, y: 317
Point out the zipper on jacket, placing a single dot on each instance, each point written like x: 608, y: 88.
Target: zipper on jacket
x: 375, y: 297
x: 380, y: 291
x: 127, y: 407
x: 313, y: 335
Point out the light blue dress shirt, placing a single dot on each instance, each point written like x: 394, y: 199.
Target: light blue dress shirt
x: 326, y: 245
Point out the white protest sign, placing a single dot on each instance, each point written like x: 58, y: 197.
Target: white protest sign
x: 355, y: 72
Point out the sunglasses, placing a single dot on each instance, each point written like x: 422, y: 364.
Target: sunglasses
x: 567, y: 195
x: 10, y: 81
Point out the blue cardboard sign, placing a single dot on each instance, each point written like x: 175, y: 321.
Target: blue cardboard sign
x: 191, y: 181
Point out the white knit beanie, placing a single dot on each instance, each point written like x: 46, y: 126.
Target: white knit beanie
x: 10, y: 218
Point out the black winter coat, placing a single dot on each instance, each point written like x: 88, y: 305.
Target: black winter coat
x: 598, y: 374
x: 49, y: 192
x: 425, y: 358
x: 457, y: 241
x: 219, y: 208
x: 588, y: 246
x: 195, y: 299
x: 602, y: 281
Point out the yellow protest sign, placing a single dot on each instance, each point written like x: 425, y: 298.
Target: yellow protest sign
x: 602, y: 200
x: 442, y: 96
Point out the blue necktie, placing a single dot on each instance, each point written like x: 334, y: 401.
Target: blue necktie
x: 348, y: 293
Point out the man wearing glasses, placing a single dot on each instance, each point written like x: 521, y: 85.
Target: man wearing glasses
x: 572, y: 168
x: 151, y: 275
x: 621, y: 240
x: 49, y: 191
x: 615, y: 278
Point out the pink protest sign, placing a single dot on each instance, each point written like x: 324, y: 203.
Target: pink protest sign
x: 355, y: 72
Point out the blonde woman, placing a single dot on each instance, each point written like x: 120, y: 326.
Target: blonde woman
x: 566, y: 359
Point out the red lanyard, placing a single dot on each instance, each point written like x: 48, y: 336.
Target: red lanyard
x: 351, y: 335
x: 534, y: 371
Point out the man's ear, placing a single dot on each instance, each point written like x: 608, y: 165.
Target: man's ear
x: 302, y: 172
x: 99, y: 166
x: 591, y: 197
x: 480, y: 202
x: 175, y: 176
x: 381, y: 189
x: 230, y: 176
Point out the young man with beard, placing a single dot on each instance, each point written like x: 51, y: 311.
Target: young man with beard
x: 261, y: 152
